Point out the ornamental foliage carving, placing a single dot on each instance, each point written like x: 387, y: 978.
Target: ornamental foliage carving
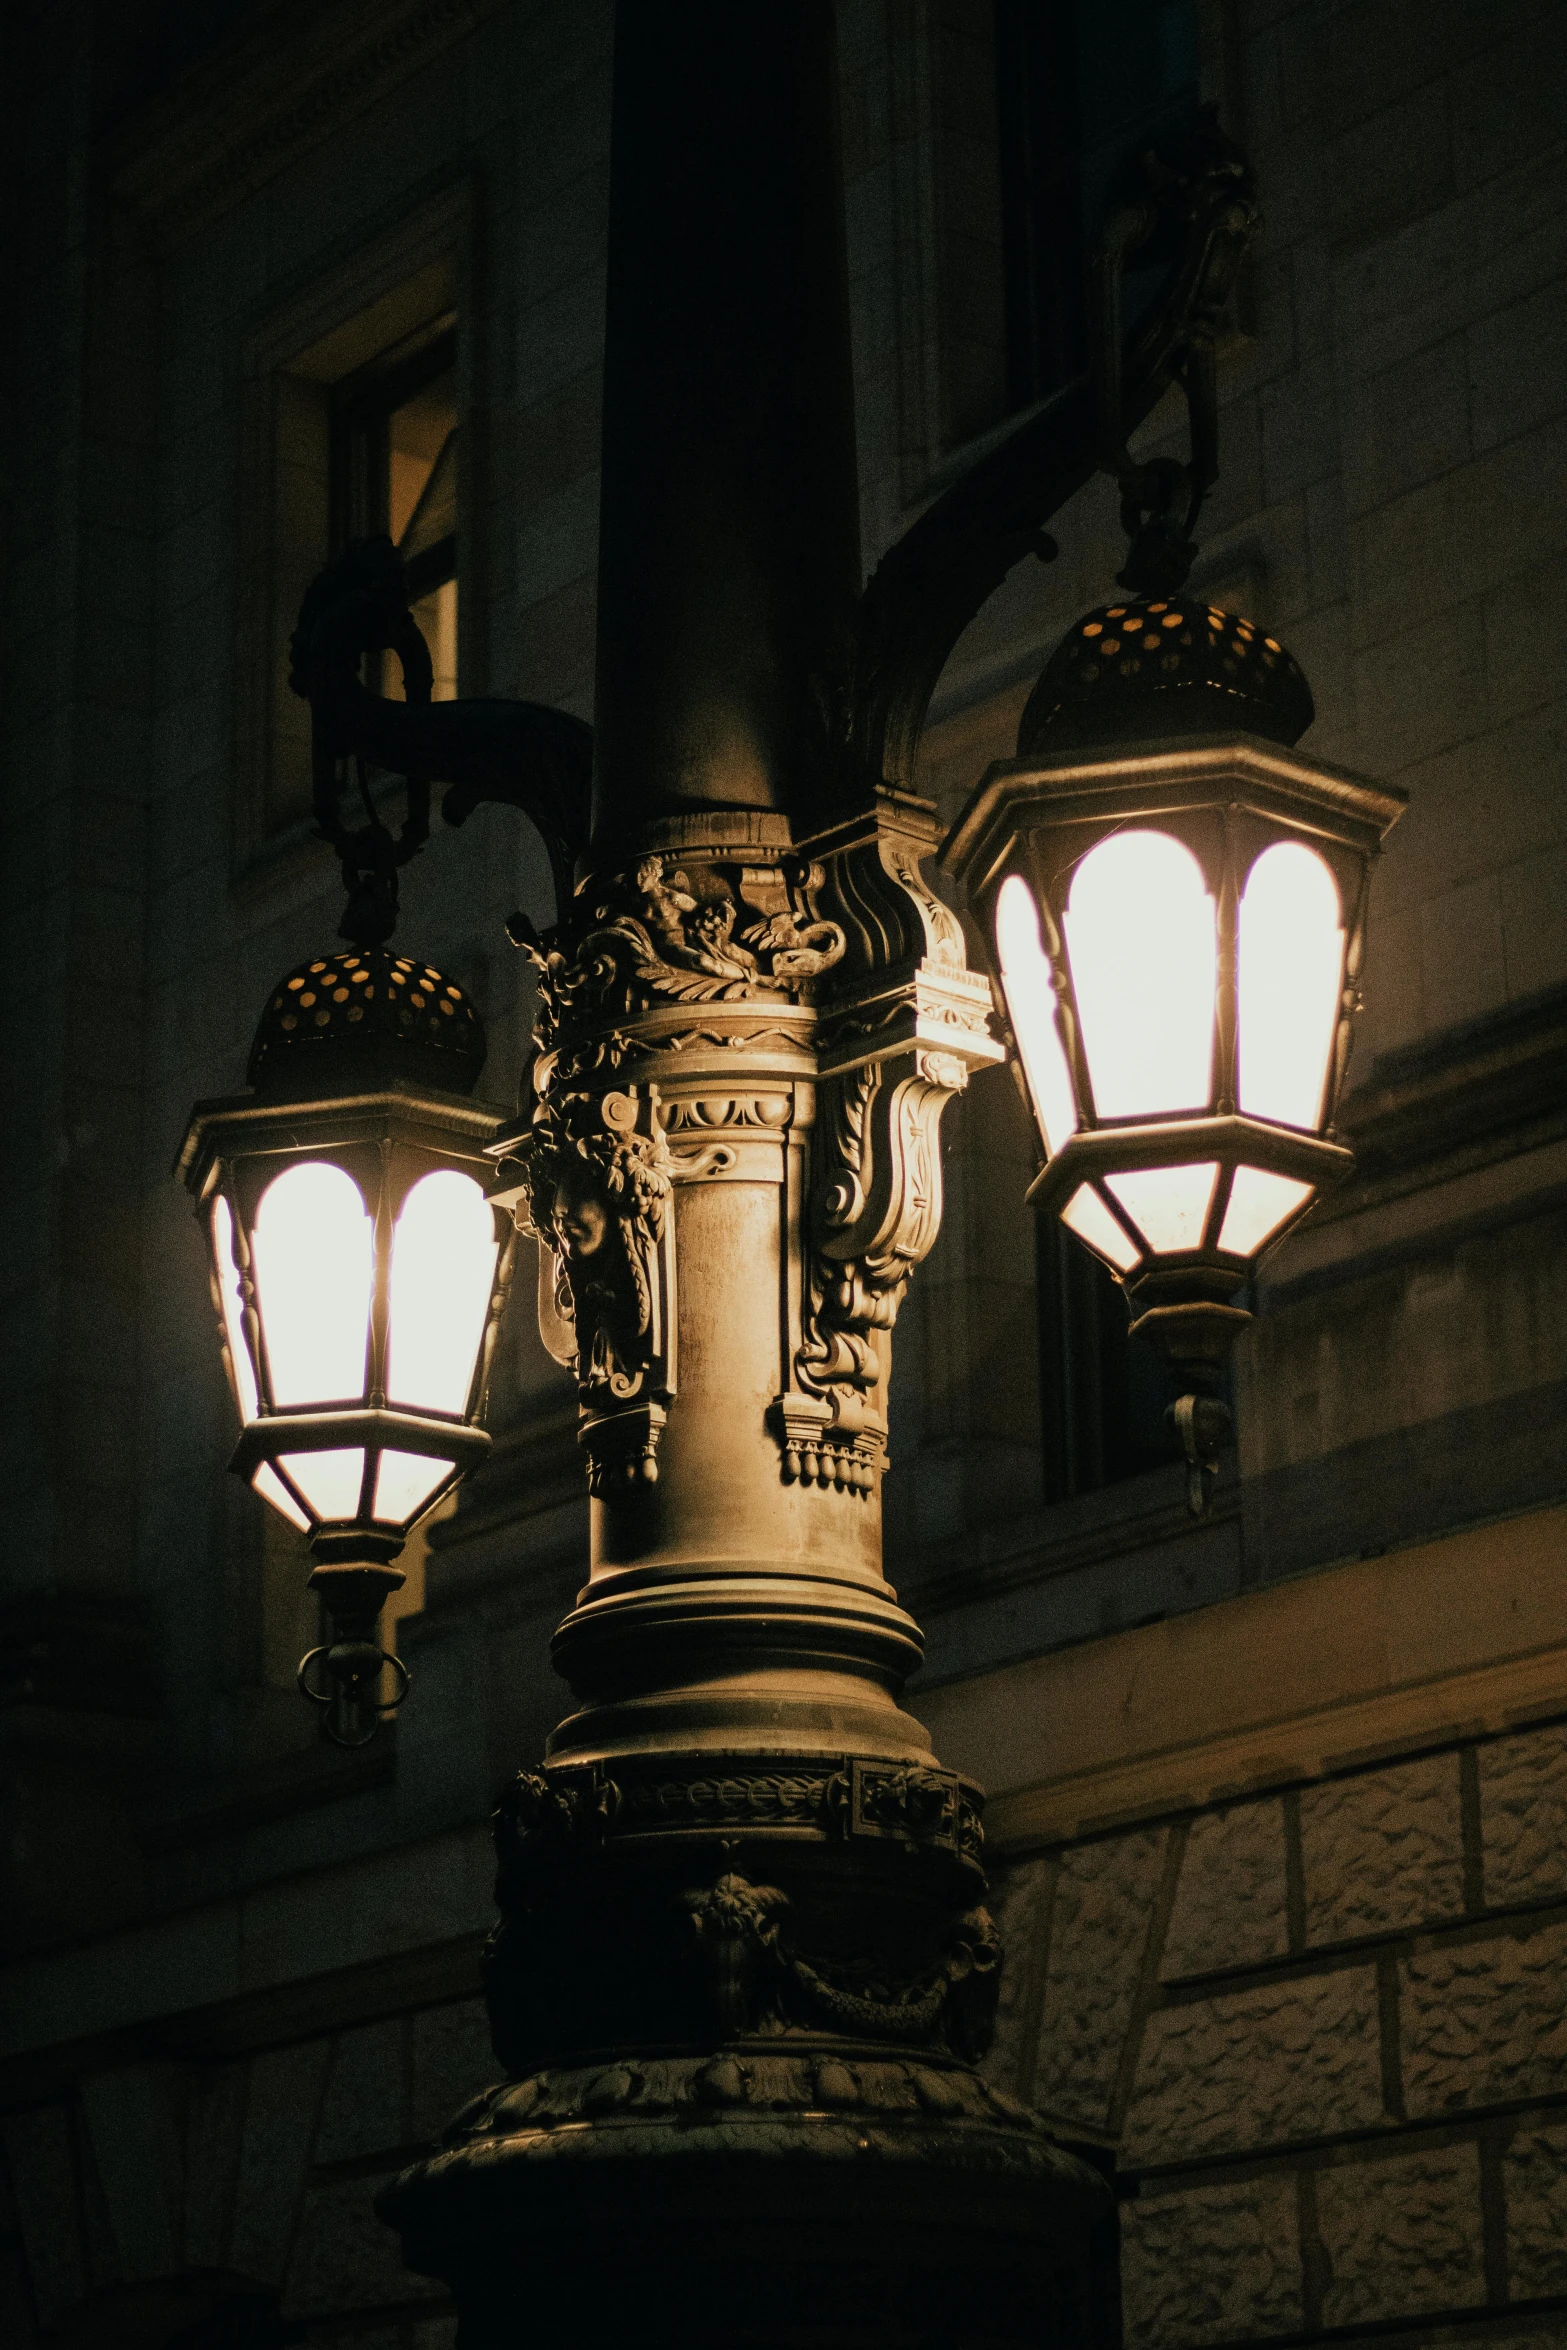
x: 682, y: 934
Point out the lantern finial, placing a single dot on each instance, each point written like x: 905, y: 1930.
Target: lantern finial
x: 344, y: 1023
x: 1134, y: 670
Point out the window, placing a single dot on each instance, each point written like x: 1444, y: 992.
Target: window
x: 1023, y: 113
x: 352, y: 392
x: 1079, y: 88
x: 394, y: 470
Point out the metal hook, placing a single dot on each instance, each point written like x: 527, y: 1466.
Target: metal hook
x: 1204, y: 1425
x: 352, y: 1708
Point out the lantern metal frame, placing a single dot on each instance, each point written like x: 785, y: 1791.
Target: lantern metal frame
x: 385, y: 1141
x: 1227, y: 797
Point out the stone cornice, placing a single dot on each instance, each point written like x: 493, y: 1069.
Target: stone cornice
x: 237, y: 121
x: 1461, y: 1637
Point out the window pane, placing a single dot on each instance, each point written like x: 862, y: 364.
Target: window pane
x: 1082, y: 89
x: 436, y: 614
x: 422, y: 466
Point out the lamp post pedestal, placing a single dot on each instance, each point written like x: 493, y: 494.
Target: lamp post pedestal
x: 743, y: 1972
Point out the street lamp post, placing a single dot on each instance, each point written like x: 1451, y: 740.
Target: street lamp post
x: 742, y: 1976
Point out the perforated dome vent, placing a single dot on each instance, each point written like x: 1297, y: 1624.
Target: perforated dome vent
x: 1137, y: 669
x: 345, y: 1020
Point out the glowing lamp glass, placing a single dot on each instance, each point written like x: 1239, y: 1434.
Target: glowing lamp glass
x: 313, y: 1257
x: 1291, y: 970
x: 1169, y: 1205
x: 405, y: 1484
x: 271, y: 1487
x: 1086, y: 1214
x: 1259, y: 1203
x: 329, y: 1481
x: 1143, y: 943
x: 443, y: 1270
x: 1031, y: 1007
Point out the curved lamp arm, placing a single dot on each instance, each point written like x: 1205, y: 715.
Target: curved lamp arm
x: 531, y: 756
x: 1197, y: 209
x: 1194, y: 208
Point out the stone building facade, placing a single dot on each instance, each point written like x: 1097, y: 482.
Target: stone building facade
x: 1277, y: 1800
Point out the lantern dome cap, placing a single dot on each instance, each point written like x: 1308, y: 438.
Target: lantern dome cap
x: 1140, y: 669
x: 342, y: 1023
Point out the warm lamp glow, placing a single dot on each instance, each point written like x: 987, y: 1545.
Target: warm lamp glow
x: 271, y: 1487
x: 1259, y: 1203
x: 1086, y: 1214
x: 1291, y: 975
x: 242, y: 1370
x: 1141, y: 937
x: 312, y: 1251
x: 1169, y: 1205
x: 404, y: 1482
x: 1031, y: 1007
x: 329, y: 1481
x: 443, y: 1269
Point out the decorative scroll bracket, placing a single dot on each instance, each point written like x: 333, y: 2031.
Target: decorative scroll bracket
x: 903, y: 1031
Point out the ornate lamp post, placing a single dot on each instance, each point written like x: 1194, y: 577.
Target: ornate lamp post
x: 1173, y: 899
x: 742, y: 1974
x: 358, y: 1273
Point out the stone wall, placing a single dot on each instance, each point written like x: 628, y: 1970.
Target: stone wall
x: 1324, y: 2030
x: 173, y: 2191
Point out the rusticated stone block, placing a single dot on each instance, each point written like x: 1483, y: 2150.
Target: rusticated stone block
x: 1523, y: 1815
x: 1264, y: 2067
x: 346, y: 2258
x: 1485, y: 2021
x: 1382, y: 1850
x: 452, y: 2061
x: 214, y: 2132
x: 1401, y: 2236
x: 1100, y: 1916
x: 1230, y: 1905
x: 1215, y: 2264
x: 1535, y: 2175
x: 280, y: 2113
x: 1017, y: 1903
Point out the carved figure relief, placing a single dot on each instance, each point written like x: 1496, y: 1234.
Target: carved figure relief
x: 666, y: 934
x: 598, y: 1175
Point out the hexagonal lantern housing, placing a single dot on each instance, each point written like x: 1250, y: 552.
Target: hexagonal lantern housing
x: 358, y: 1270
x: 1173, y: 901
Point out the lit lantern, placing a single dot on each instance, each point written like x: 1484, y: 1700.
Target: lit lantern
x: 1173, y: 898
x: 359, y: 1273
